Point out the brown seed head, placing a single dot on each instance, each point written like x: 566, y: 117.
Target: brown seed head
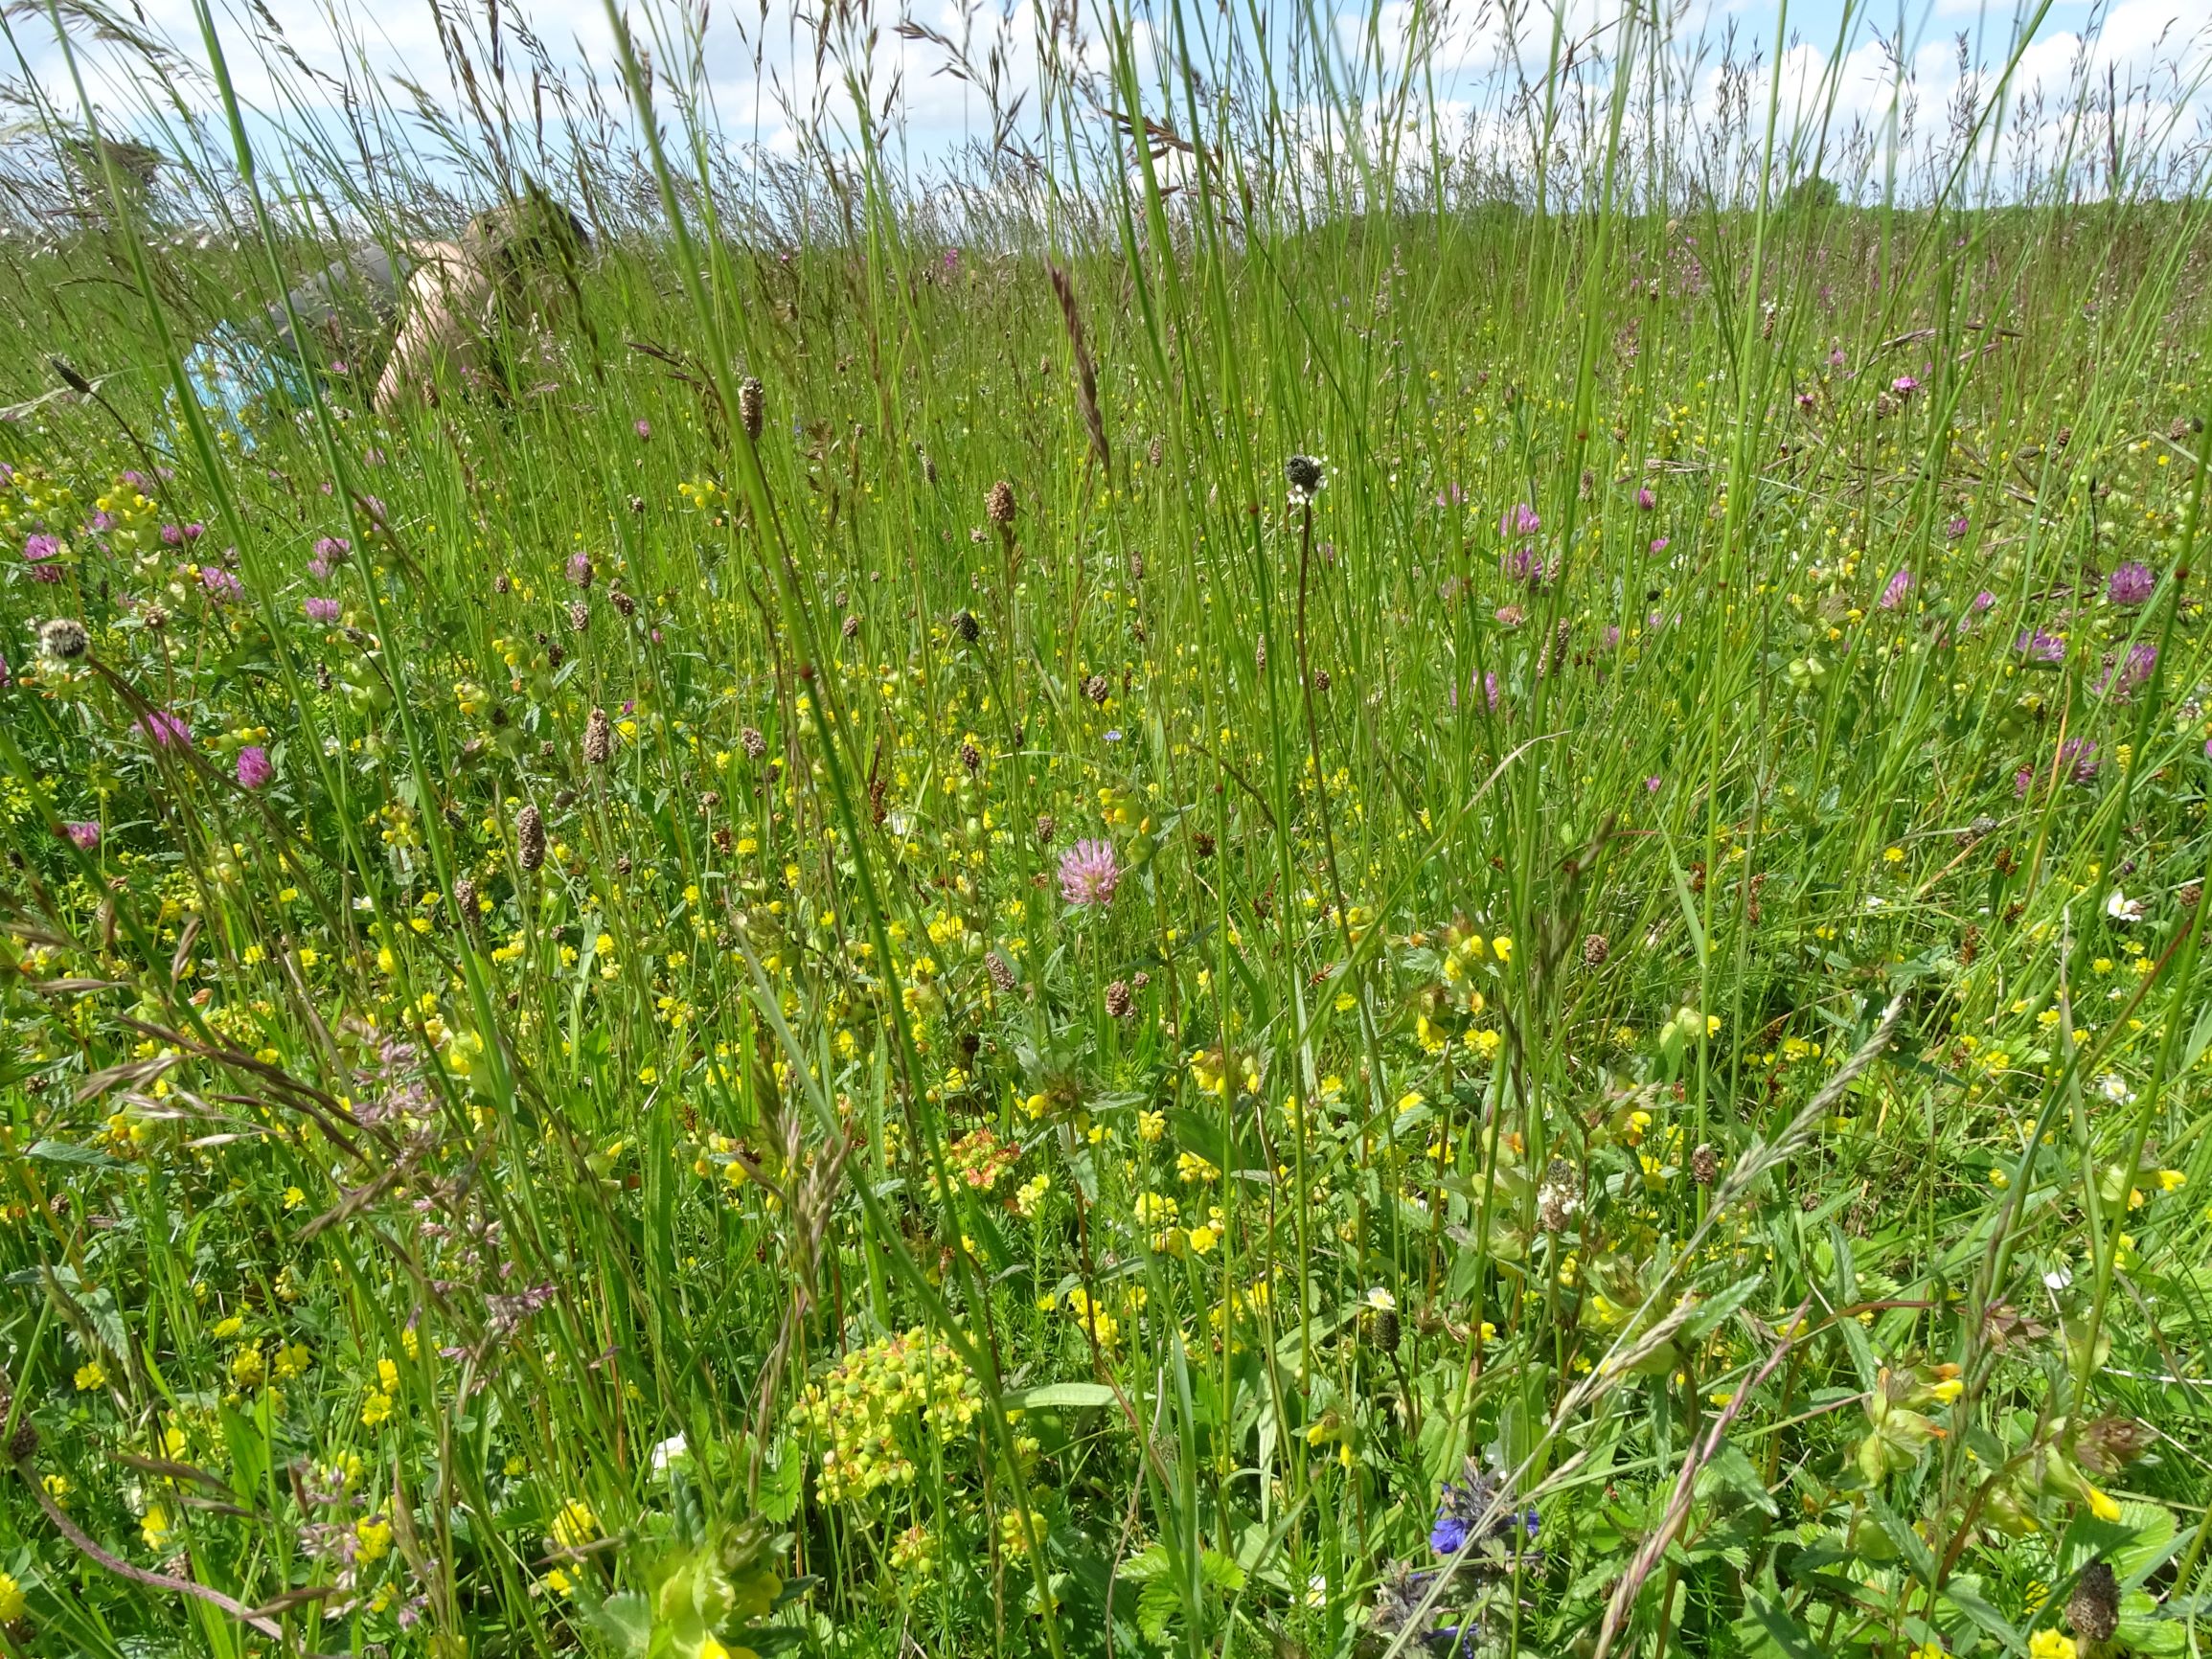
x: 2094, y: 1610
x: 529, y: 838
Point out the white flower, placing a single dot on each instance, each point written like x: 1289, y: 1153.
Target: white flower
x: 1380, y: 1300
x: 2059, y: 1278
x: 2114, y: 1088
x: 2121, y: 908
x: 668, y: 1451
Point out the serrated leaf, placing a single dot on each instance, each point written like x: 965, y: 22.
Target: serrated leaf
x: 1720, y: 1305
x: 1157, y: 1605
x: 1911, y: 1547
x: 1731, y: 1472
x: 627, y: 1617
x: 1779, y: 1627
x: 1221, y: 1571
x: 69, y: 1152
x: 1969, y: 1601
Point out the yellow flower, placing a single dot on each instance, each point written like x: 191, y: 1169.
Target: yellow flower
x: 292, y: 1361
x: 155, y: 1528
x: 575, y: 1525
x: 91, y: 1375
x: 249, y: 1367
x: 2051, y: 1645
x: 1503, y: 947
x: 2101, y: 1506
x: 11, y: 1599
x: 1190, y: 1167
x: 374, y: 1539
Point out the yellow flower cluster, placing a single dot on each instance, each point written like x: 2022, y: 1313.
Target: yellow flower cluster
x: 871, y: 1406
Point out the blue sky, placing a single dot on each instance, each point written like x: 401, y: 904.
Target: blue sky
x: 759, y: 77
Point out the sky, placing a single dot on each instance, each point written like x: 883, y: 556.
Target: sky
x: 762, y: 65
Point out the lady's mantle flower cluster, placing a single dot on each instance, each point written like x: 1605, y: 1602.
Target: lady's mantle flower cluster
x: 870, y: 1410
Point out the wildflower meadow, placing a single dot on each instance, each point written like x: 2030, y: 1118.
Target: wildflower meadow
x: 1327, y: 842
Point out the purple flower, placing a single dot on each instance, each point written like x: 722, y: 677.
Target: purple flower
x: 1905, y: 385
x: 1612, y: 638
x: 164, y: 729
x: 1658, y: 544
x: 1956, y: 528
x: 1806, y: 402
x: 2079, y: 757
x: 2039, y: 647
x: 102, y: 520
x: 220, y: 584
x: 643, y: 428
x: 951, y: 261
x: 2132, y: 583
x: 580, y: 569
x: 38, y: 549
x: 86, y: 836
x: 2123, y: 678
x: 321, y: 610
x: 1646, y: 499
x: 1520, y: 520
x: 1893, y: 596
x: 254, y: 768
x: 1089, y: 873
x: 1835, y: 358
x: 136, y: 480
x: 1982, y: 601
x: 172, y: 536
x: 1652, y: 783
x: 194, y: 532
x: 1449, y: 1536
x: 6, y: 474
x: 1524, y: 564
x: 329, y: 553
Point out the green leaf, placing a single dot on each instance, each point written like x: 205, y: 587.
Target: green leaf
x: 69, y: 1152
x: 627, y: 1617
x: 1967, y: 1599
x: 1065, y: 1395
x: 782, y: 1476
x: 1731, y: 1472
x: 1156, y: 1608
x: 1221, y: 1571
x: 1720, y: 1305
x: 1779, y: 1627
x: 1911, y: 1547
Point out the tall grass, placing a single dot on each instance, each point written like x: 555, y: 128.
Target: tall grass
x: 1291, y: 865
